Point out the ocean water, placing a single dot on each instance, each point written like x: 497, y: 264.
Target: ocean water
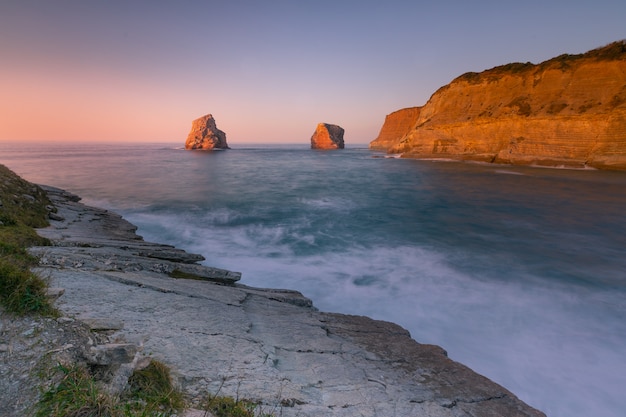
x: 519, y: 273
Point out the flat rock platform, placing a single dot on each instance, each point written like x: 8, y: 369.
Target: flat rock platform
x: 268, y: 345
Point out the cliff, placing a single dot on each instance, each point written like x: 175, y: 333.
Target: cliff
x: 327, y: 136
x: 397, y: 125
x: 567, y: 111
x: 205, y: 135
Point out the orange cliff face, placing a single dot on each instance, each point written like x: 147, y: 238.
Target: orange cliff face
x: 568, y: 111
x: 397, y: 125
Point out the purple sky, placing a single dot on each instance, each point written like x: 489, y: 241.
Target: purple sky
x: 267, y: 71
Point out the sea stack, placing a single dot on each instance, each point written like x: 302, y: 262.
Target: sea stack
x: 327, y: 136
x: 205, y: 135
x: 569, y: 111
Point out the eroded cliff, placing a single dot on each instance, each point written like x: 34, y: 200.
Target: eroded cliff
x: 397, y: 125
x: 567, y: 111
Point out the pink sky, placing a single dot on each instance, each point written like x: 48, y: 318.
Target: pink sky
x: 268, y: 72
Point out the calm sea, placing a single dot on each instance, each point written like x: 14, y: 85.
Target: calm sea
x: 519, y: 273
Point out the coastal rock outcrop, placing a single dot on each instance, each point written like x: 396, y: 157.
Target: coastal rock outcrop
x: 205, y: 135
x: 397, y: 125
x: 94, y: 239
x: 221, y: 337
x: 568, y: 111
x: 327, y: 136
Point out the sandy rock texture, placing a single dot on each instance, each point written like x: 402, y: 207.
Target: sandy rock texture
x: 205, y: 135
x: 327, y: 136
x: 268, y: 345
x: 568, y: 111
x: 29, y: 349
x: 397, y: 125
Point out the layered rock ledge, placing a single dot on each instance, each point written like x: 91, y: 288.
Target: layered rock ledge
x: 568, y: 111
x: 268, y: 345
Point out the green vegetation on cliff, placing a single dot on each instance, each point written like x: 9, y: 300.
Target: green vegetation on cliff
x: 612, y: 52
x: 151, y: 393
x: 23, y: 206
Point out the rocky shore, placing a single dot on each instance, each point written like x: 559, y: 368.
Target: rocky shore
x: 125, y: 299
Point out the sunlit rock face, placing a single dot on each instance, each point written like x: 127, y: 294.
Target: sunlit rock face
x: 205, y: 135
x: 397, y: 125
x: 327, y: 136
x: 568, y: 111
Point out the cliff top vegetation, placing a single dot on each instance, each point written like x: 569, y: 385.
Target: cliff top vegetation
x: 615, y: 51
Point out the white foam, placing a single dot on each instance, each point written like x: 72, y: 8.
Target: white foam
x: 329, y: 203
x: 546, y: 343
x: 506, y: 172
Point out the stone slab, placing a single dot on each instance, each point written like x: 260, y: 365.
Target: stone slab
x: 267, y: 345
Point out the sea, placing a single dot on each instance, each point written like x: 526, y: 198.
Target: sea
x: 517, y: 272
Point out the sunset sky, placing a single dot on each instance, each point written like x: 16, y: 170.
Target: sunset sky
x: 268, y: 71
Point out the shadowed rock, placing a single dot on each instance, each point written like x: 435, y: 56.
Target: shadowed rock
x: 112, y: 353
x: 327, y: 136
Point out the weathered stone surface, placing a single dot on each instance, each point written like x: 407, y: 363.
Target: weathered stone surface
x: 327, y: 136
x: 112, y: 354
x: 568, y: 111
x: 31, y: 347
x: 55, y: 217
x: 397, y: 125
x: 267, y: 345
x: 205, y: 135
x: 102, y: 324
x: 90, y: 238
x: 54, y: 293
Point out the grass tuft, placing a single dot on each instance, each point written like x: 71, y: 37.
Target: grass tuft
x: 229, y: 407
x: 177, y: 273
x: 153, y: 387
x: 151, y: 394
x: 76, y: 395
x: 21, y: 291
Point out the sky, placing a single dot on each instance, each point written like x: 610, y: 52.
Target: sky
x: 268, y: 71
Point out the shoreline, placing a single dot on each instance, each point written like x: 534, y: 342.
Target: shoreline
x: 269, y: 345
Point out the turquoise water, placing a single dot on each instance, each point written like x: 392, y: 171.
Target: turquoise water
x: 519, y: 273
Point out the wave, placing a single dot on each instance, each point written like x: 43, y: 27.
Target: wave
x: 506, y: 172
x: 519, y: 277
x: 501, y: 328
x: 329, y: 203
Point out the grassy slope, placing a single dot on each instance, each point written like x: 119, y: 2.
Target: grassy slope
x: 23, y: 206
